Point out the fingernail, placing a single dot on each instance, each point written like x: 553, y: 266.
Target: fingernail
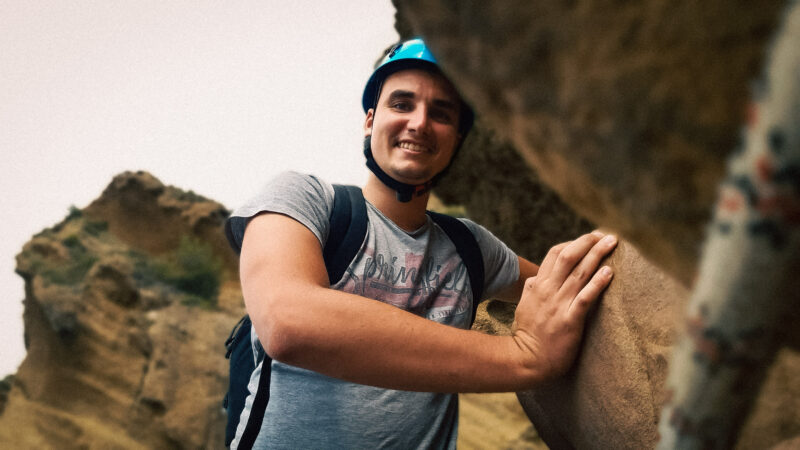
x: 598, y: 233
x: 610, y: 239
x: 605, y: 271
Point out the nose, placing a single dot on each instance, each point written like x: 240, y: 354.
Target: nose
x: 418, y: 120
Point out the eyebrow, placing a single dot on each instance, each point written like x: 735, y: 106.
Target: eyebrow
x: 400, y: 94
x: 438, y: 102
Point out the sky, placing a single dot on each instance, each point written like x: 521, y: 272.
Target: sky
x: 212, y: 96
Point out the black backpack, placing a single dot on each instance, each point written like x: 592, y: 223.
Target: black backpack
x: 348, y: 229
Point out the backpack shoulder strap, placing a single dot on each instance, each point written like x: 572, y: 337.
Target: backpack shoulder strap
x: 348, y: 227
x: 469, y: 251
x: 347, y: 230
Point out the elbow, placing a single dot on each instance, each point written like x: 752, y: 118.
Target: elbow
x: 279, y: 343
x: 279, y: 330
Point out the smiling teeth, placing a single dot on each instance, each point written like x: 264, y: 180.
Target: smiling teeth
x: 413, y: 147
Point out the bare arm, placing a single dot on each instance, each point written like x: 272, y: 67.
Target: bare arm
x: 512, y: 293
x: 301, y: 321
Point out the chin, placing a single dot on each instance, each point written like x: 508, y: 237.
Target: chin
x: 412, y: 176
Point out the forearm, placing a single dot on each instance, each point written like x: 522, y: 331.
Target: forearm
x: 301, y: 321
x: 369, y: 342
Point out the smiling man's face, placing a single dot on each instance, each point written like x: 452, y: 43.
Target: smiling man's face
x: 414, y: 126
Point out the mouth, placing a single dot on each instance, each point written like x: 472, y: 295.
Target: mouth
x: 414, y: 147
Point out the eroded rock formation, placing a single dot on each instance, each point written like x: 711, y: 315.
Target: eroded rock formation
x: 120, y: 353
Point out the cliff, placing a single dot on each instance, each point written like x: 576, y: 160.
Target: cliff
x: 124, y: 344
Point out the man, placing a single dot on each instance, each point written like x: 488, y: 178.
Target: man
x: 352, y: 372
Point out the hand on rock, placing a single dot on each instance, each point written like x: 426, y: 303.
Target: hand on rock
x: 548, y: 325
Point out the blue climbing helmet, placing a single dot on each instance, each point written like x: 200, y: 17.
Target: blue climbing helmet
x: 410, y: 54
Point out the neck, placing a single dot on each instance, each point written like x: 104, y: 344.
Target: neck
x: 407, y: 215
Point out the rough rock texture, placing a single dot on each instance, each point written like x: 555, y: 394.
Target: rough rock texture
x: 612, y: 397
x: 627, y: 110
x: 621, y: 375
x: 494, y: 184
x: 117, y: 360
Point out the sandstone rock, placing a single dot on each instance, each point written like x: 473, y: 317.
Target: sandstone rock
x: 491, y: 180
x: 118, y: 357
x: 614, y: 393
x: 627, y: 110
x: 612, y: 398
x: 149, y: 216
x: 110, y: 279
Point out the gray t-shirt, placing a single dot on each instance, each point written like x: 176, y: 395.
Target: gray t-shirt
x: 418, y: 271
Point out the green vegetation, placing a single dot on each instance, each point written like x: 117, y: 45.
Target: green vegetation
x: 188, y: 196
x: 5, y: 383
x: 192, y: 269
x: 74, y: 213
x: 5, y: 388
x: 74, y: 269
x: 95, y: 227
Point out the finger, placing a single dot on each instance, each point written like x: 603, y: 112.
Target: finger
x: 550, y: 259
x: 582, y: 302
x: 570, y: 256
x: 598, y: 233
x: 586, y: 268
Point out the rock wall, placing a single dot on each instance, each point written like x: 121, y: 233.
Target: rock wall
x: 627, y: 111
x: 496, y: 187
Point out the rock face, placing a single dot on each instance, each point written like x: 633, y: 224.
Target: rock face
x: 627, y: 110
x: 120, y: 353
x: 613, y: 396
x: 619, y: 375
x: 495, y: 186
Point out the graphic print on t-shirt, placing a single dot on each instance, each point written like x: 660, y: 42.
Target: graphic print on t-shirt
x: 420, y: 285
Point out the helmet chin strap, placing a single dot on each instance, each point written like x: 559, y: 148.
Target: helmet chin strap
x: 405, y: 191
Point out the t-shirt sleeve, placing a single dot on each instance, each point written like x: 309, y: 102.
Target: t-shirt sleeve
x: 304, y: 198
x: 501, y: 265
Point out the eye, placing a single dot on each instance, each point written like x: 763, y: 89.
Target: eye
x: 402, y: 106
x: 442, y: 115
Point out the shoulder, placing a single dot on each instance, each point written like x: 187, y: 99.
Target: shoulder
x: 289, y: 189
x: 477, y: 230
x: 302, y: 197
x: 296, y: 181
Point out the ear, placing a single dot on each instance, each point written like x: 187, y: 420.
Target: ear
x: 368, y: 122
